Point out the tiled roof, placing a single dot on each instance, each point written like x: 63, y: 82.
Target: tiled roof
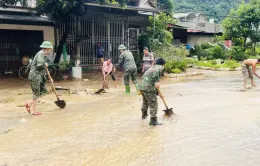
x: 195, y: 27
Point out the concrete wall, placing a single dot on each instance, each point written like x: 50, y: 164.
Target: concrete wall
x: 48, y: 31
x: 195, y: 39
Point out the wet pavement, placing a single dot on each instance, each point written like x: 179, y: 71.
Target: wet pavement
x: 216, y: 125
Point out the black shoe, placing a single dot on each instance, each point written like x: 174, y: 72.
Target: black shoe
x: 144, y: 115
x: 154, y: 122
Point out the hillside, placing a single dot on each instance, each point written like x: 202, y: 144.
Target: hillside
x: 211, y: 8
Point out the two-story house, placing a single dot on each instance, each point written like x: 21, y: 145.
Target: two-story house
x: 194, y: 28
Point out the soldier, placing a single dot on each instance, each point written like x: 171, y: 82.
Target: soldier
x: 36, y: 75
x: 148, y: 86
x: 43, y: 89
x: 126, y: 59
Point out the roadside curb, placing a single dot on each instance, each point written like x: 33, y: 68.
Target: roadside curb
x: 218, y: 69
x: 187, y: 74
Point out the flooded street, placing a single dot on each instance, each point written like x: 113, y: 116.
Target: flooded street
x: 216, y: 125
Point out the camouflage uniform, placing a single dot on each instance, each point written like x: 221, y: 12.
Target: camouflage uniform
x: 148, y: 90
x: 37, y: 73
x: 127, y: 59
x: 43, y: 85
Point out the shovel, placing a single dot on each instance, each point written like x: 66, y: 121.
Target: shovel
x: 59, y: 103
x: 60, y: 88
x: 168, y: 111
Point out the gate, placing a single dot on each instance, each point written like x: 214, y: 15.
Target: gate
x: 133, y: 34
x: 14, y: 44
x: 106, y: 29
x: 110, y: 29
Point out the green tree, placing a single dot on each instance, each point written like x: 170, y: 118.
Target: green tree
x: 216, y: 9
x: 244, y: 22
x: 158, y: 32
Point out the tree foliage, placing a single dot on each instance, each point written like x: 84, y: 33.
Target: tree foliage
x: 157, y: 32
x: 244, y: 22
x: 211, y: 8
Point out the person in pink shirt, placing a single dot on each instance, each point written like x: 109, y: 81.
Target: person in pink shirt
x: 108, y: 70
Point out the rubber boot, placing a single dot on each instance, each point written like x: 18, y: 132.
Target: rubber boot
x: 144, y: 115
x: 154, y: 122
x: 127, y: 89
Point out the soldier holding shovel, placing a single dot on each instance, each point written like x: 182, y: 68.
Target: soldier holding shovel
x: 149, y: 87
x: 126, y: 59
x: 36, y: 75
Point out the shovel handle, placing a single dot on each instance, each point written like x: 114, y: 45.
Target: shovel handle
x: 52, y: 83
x: 162, y: 98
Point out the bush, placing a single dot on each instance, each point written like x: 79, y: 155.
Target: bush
x: 237, y: 53
x: 174, y: 64
x: 169, y: 52
x: 190, y: 61
x: 176, y: 71
x: 206, y: 64
x: 213, y: 64
x: 250, y: 52
x: 206, y: 45
x: 231, y: 64
x: 64, y: 66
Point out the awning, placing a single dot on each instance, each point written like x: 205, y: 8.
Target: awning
x: 25, y: 19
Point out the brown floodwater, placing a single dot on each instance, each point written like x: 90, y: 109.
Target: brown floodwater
x: 216, y: 125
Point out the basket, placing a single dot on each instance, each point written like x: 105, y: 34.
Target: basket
x: 25, y: 60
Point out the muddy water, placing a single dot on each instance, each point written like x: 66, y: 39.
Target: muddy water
x: 216, y: 125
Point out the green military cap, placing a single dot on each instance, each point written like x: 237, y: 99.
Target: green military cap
x: 46, y: 44
x: 121, y: 47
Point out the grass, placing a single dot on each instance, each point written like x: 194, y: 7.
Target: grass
x: 212, y: 64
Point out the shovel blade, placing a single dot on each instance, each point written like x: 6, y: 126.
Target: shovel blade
x: 168, y: 111
x: 60, y: 103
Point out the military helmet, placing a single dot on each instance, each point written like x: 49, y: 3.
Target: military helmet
x: 121, y: 47
x: 46, y: 44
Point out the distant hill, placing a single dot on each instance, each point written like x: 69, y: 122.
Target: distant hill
x: 211, y: 8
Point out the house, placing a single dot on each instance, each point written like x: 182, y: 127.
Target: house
x: 22, y: 30
x: 193, y: 29
x: 110, y: 26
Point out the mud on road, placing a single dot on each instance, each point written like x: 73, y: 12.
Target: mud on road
x: 216, y: 125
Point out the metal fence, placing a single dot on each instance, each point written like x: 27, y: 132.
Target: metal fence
x: 108, y: 29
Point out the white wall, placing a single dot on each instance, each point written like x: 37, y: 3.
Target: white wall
x: 48, y: 31
x: 198, y: 39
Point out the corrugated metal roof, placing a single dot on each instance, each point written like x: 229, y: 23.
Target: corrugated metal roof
x: 195, y: 27
x: 179, y: 15
x: 139, y: 8
x: 24, y: 18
